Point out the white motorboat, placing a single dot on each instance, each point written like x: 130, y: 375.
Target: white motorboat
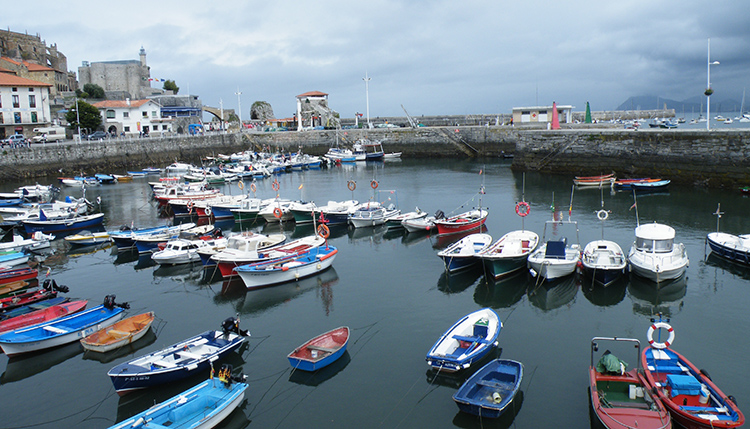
x: 397, y: 221
x: 277, y: 211
x: 654, y: 254
x: 372, y: 214
x: 180, y: 251
x: 555, y: 258
x: 604, y: 261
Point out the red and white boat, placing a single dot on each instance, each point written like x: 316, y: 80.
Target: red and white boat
x: 245, y: 248
x: 42, y: 315
x: 601, y: 180
x: 16, y: 274
x: 466, y: 221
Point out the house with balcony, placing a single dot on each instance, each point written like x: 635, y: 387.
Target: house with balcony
x: 24, y: 105
x: 134, y: 118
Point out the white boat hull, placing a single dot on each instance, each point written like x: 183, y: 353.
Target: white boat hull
x: 551, y: 269
x: 261, y: 279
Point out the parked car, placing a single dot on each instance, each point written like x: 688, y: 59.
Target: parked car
x: 14, y: 139
x: 97, y: 135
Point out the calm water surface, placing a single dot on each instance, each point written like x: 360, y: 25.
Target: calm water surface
x: 392, y: 291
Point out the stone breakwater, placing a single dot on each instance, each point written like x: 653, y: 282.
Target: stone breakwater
x: 715, y: 159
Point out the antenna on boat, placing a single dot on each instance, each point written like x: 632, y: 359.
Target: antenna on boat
x: 570, y: 209
x: 718, y: 214
x: 635, y: 206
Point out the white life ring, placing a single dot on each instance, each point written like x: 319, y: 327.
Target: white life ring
x: 208, y: 210
x: 654, y: 327
x: 602, y: 214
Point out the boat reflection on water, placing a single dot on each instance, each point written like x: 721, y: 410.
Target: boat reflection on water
x: 441, y: 242
x: 306, y: 230
x: 649, y: 298
x: 322, y: 375
x: 464, y: 420
x: 502, y: 293
x: 144, y: 261
x: 23, y: 366
x: 260, y: 300
x: 734, y: 268
x: 456, y: 379
x: 372, y: 234
x: 76, y: 251
x: 277, y: 228
x: 191, y: 273
x: 125, y: 256
x: 413, y: 238
x: 126, y: 350
x: 393, y: 234
x: 605, y: 296
x: 140, y: 400
x: 549, y: 295
x: 458, y: 282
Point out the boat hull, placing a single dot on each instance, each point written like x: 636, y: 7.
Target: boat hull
x: 321, y: 351
x: 115, y: 336
x: 509, y: 254
x: 260, y: 275
x: 728, y: 246
x: 65, y: 225
x: 463, y: 222
x: 491, y: 389
x: 467, y: 341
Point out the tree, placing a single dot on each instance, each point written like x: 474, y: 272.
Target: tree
x: 170, y: 85
x: 89, y: 115
x: 94, y: 90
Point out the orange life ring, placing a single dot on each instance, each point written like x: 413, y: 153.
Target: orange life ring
x: 277, y: 213
x: 190, y: 206
x: 323, y: 231
x: 253, y: 187
x: 275, y: 185
x: 352, y: 185
x: 241, y: 184
x: 374, y: 184
x: 523, y: 208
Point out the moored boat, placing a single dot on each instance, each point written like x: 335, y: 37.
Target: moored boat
x: 76, y: 223
x: 509, y: 254
x: 464, y: 253
x: 489, y: 391
x: 467, y: 341
x: 555, y: 258
x: 42, y: 315
x: 246, y: 248
x: 119, y: 334
x: 654, y: 254
x: 11, y: 275
x: 595, y: 181
x: 320, y: 351
x: 604, y: 261
x: 87, y: 238
x: 461, y: 222
x: 287, y: 268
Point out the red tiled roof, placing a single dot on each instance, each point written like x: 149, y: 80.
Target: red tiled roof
x: 312, y: 94
x: 10, y: 60
x: 4, y: 70
x: 114, y: 104
x: 7, y: 79
x: 36, y: 67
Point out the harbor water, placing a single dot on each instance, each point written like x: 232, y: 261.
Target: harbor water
x: 393, y: 292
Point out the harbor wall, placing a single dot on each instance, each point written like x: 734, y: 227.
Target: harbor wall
x: 713, y: 159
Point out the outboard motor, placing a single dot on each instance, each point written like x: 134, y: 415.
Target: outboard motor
x: 109, y: 303
x: 226, y: 376
x: 51, y: 285
x: 439, y: 214
x: 232, y: 324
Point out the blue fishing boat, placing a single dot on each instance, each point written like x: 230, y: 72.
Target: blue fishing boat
x: 320, y: 351
x: 489, y: 391
x: 463, y: 253
x: 62, y: 331
x: 467, y: 341
x: 77, y: 223
x: 202, y: 406
x: 125, y: 237
x: 178, y: 361
x: 104, y: 179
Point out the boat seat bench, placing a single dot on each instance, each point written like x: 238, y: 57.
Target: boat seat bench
x: 55, y: 330
x: 189, y: 355
x: 470, y: 339
x: 322, y: 349
x: 164, y: 364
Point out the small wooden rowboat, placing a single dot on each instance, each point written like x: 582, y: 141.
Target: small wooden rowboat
x: 320, y: 351
x: 16, y: 274
x: 488, y: 392
x: 121, y: 333
x: 14, y: 287
x: 42, y: 315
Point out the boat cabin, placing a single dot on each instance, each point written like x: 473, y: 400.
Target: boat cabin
x: 654, y: 238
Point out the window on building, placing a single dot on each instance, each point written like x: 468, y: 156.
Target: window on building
x: 110, y: 114
x: 33, y: 117
x: 17, y: 117
x: 31, y: 89
x: 14, y: 89
x: 126, y: 129
x: 32, y: 101
x: 164, y: 127
x: 144, y: 114
x: 16, y: 102
x: 2, y: 120
x: 125, y: 114
x: 1, y: 102
x: 153, y: 113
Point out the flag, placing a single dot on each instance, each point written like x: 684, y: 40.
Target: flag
x: 49, y: 270
x: 300, y: 186
x: 480, y: 171
x: 632, y: 207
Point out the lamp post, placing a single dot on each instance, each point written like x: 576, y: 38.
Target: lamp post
x: 709, y: 91
x: 239, y: 107
x: 78, y: 121
x: 367, y: 97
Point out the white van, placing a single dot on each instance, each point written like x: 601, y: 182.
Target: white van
x: 49, y: 134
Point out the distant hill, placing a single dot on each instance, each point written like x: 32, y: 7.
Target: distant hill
x: 693, y: 104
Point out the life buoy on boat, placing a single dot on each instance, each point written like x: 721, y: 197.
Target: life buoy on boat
x: 241, y: 185
x: 323, y: 231
x: 602, y: 214
x: 352, y: 185
x: 189, y: 206
x: 253, y: 187
x: 523, y: 208
x: 208, y: 210
x: 277, y: 213
x: 653, y: 328
x: 275, y: 185
x: 374, y: 184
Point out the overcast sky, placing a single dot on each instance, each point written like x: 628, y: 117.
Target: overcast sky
x: 434, y: 57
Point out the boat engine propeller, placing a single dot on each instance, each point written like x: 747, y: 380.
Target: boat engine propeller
x: 232, y: 324
x: 51, y: 285
x: 226, y: 376
x: 109, y: 303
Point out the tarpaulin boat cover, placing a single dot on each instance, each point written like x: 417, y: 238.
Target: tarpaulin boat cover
x: 610, y: 363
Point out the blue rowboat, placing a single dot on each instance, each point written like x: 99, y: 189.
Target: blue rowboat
x: 320, y: 351
x: 62, y: 331
x: 125, y: 237
x: 466, y: 342
x: 77, y: 223
x: 178, y: 361
x: 489, y: 391
x: 464, y: 253
x: 202, y: 406
x: 104, y: 178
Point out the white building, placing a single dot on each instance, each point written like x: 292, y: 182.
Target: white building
x: 133, y: 117
x: 24, y: 105
x: 534, y: 114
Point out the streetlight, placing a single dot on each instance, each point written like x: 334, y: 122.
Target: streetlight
x: 367, y: 97
x: 239, y: 107
x: 78, y: 121
x: 709, y: 91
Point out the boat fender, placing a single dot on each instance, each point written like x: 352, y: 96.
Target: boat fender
x: 277, y: 213
x: 352, y: 185
x: 253, y: 187
x: 523, y: 208
x: 602, y: 214
x: 275, y: 185
x: 318, y: 266
x: 654, y: 327
x: 374, y: 184
x: 241, y: 185
x: 705, y: 374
